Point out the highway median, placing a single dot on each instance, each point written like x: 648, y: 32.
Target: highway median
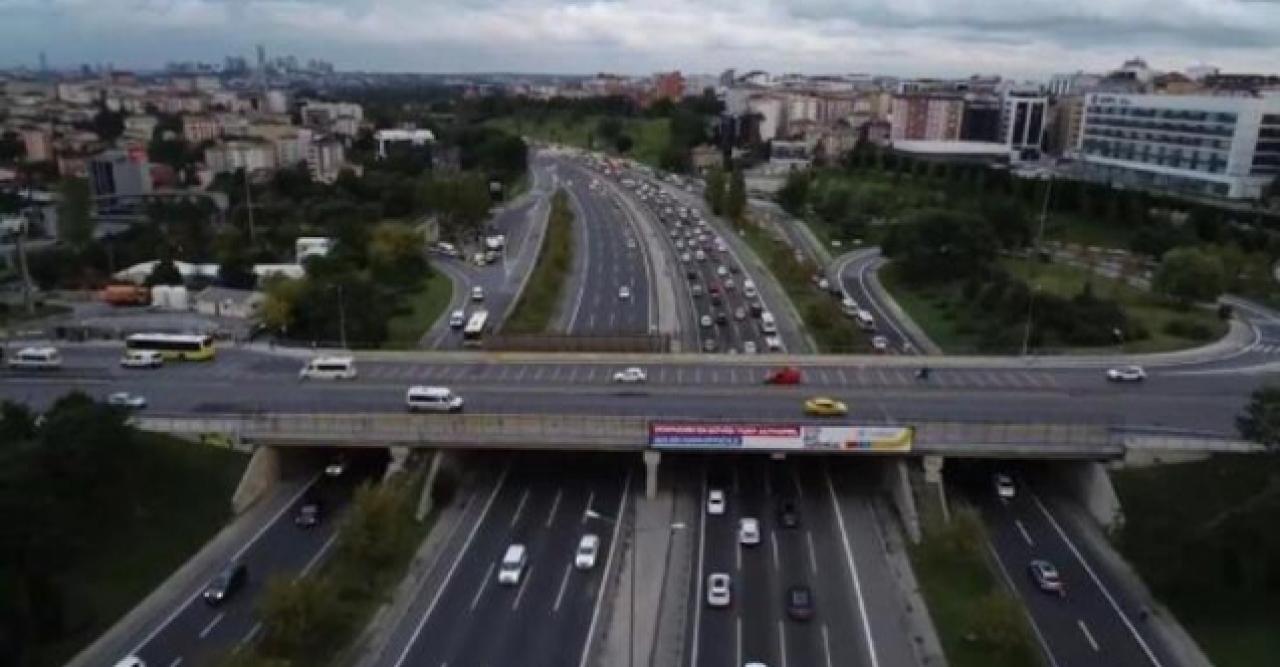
x: 537, y: 308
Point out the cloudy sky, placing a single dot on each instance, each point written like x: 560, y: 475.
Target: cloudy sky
x: 906, y: 37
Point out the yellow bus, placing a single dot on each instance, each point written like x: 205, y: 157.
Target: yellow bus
x: 176, y: 347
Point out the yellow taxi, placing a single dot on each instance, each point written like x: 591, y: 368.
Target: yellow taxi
x: 825, y: 407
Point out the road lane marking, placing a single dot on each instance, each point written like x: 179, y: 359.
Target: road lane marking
x: 813, y: 553
x: 884, y: 380
x: 853, y: 570
x: 844, y: 379
x: 590, y: 496
x: 537, y: 373
x: 608, y: 565
x: 738, y: 632
x: 248, y: 637
x: 520, y: 507
x: 554, y: 505
x: 564, y: 581
x: 702, y: 543
x: 773, y: 540
x: 484, y: 583
x: 524, y: 583
x: 209, y: 628
x: 782, y: 642
x: 826, y: 644
x: 1098, y: 582
x: 520, y: 376
x: 176, y: 661
x: 1025, y: 535
x: 475, y: 528
x: 1088, y: 636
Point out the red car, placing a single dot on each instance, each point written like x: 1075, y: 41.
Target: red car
x: 786, y: 375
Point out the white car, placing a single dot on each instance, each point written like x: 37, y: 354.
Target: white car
x: 748, y: 531
x: 142, y: 359
x: 705, y: 321
x: 679, y: 244
x: 631, y: 244
x: 686, y: 257
x: 123, y: 399
x: 630, y: 375
x: 718, y: 586
x: 457, y: 319
x: 1004, y: 486
x: 715, y: 502
x: 1126, y: 374
x: 131, y: 661
x: 477, y: 293
x: 585, y: 557
x: 700, y: 255
x: 749, y: 347
x: 722, y: 270
x: 624, y: 293
x: 880, y: 343
x: 773, y: 343
x: 336, y: 467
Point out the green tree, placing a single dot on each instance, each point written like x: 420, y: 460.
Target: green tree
x: 715, y: 190
x: 623, y: 143
x: 609, y: 128
x: 460, y: 204
x: 1188, y: 275
x: 1260, y: 421
x: 735, y: 201
x: 75, y: 227
x: 298, y: 615
x: 1009, y: 221
x: 283, y: 295
x: 795, y: 192
x: 165, y: 272
x: 17, y: 423
x: 109, y: 125
x: 396, y: 254
x: 933, y: 245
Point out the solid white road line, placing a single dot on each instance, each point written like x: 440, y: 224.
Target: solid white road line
x: 702, y: 544
x: 773, y: 539
x: 590, y: 496
x: 564, y: 582
x: 328, y: 544
x: 738, y: 633
x: 484, y: 583
x: 1142, y: 643
x: 1088, y: 636
x: 738, y: 554
x: 853, y: 572
x: 554, y: 504
x: 826, y: 644
x: 248, y: 637
x: 813, y: 553
x: 176, y: 661
x: 782, y: 642
x: 1025, y: 535
x: 608, y: 565
x: 209, y: 628
x: 475, y: 528
x: 515, y: 517
x: 524, y: 583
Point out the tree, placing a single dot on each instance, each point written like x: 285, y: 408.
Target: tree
x: 11, y: 148
x: 297, y: 614
x: 395, y: 254
x: 278, y: 308
x: 1260, y: 421
x: 461, y: 204
x: 795, y: 192
x: 1008, y: 220
x: 17, y: 423
x: 165, y: 272
x: 609, y: 128
x: 933, y: 245
x: 623, y: 143
x: 735, y: 202
x: 1271, y: 193
x: 1188, y: 275
x: 714, y: 192
x: 109, y: 125
x: 75, y: 227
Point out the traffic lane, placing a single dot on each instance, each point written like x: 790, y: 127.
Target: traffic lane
x: 611, y: 268
x: 1079, y: 628
x: 719, y: 630
x: 761, y: 583
x: 804, y: 642
x: 853, y: 280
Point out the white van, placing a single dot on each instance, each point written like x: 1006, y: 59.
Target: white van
x: 767, y: 324
x: 432, y: 399
x: 513, y: 562
x: 42, y: 358
x: 329, y: 368
x: 865, y: 321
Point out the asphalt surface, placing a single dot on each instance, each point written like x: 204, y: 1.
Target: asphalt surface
x: 468, y: 618
x: 853, y: 274
x: 834, y: 550
x: 197, y: 631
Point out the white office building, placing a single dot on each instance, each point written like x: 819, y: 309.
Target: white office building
x: 1195, y: 144
x: 1022, y: 120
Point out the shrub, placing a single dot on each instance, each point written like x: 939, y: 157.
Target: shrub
x: 1189, y: 329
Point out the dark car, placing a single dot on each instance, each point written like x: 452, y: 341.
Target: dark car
x: 308, y: 514
x: 757, y: 309
x: 788, y: 514
x: 691, y: 274
x: 721, y: 318
x: 231, y: 579
x: 715, y: 300
x: 799, y: 603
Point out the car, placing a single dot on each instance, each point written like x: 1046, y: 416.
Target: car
x: 630, y: 375
x: 756, y: 308
x: 673, y: 233
x: 457, y: 319
x: 624, y: 293
x: 686, y: 258
x: 512, y: 566
x: 631, y: 244
x: 748, y: 531
x: 774, y: 343
x: 1126, y: 374
x: 225, y: 584
x: 799, y: 603
x: 715, y: 502
x: 718, y: 590
x: 716, y: 300
x: 705, y: 321
x: 739, y: 313
x: 336, y: 467
x: 700, y: 255
x: 130, y: 661
x: 585, y: 557
x: 722, y: 270
x: 477, y: 293
x: 142, y: 359
x: 721, y: 318
x: 784, y: 375
x: 1045, y: 576
x: 749, y: 347
x: 729, y: 284
x: 749, y: 289
x: 788, y: 513
x: 880, y: 343
x: 308, y: 515
x: 679, y: 244
x: 709, y: 345
x: 713, y: 288
x: 691, y: 274
x: 1004, y: 486
x: 695, y: 289
x: 123, y: 399
x: 478, y: 259
x: 821, y: 406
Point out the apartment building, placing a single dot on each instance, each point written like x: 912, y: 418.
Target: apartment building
x: 926, y: 117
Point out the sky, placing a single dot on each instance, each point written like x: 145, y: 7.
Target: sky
x: 1016, y: 38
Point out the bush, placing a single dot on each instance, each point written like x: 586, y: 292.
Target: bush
x: 1189, y: 329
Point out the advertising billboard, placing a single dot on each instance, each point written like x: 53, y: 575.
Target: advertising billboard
x: 779, y: 437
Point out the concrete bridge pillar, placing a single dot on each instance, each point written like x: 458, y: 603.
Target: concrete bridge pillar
x: 898, y: 484
x: 1089, y: 482
x: 652, y: 458
x: 399, y: 457
x: 933, y: 482
x: 259, y: 476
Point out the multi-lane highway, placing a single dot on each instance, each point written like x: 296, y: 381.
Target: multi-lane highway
x: 546, y: 503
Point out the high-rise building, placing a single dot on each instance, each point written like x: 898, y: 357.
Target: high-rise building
x: 1221, y: 146
x: 119, y: 173
x: 981, y: 121
x: 1022, y: 120
x: 926, y: 117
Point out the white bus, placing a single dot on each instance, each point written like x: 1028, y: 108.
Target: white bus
x: 477, y: 326
x: 185, y: 347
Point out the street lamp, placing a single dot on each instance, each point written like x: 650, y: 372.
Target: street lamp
x: 631, y: 619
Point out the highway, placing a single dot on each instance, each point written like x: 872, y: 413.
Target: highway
x: 855, y: 271
x: 465, y: 617
x: 196, y: 631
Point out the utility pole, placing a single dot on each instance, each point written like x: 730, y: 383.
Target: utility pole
x: 248, y: 205
x: 1031, y: 296
x: 28, y: 303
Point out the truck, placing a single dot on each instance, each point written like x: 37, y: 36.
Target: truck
x: 125, y: 295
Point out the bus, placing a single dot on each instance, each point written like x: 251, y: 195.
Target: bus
x: 181, y: 347
x: 476, y: 327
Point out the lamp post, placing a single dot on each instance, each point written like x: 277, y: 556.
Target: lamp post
x: 635, y: 531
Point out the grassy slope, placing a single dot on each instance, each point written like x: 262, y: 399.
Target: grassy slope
x: 189, y: 500
x: 542, y: 295
x: 423, y: 307
x: 649, y: 135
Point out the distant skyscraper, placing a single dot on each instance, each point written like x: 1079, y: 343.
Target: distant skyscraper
x: 44, y: 63
x: 262, y: 57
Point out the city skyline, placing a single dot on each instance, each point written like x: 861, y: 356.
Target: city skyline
x: 1028, y: 39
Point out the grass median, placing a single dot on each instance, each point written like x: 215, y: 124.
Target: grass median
x: 419, y: 311
x: 543, y: 294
